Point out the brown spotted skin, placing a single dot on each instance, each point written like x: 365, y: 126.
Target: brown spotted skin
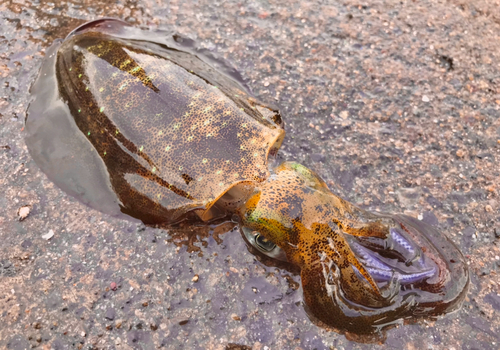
x: 287, y: 208
x: 118, y: 113
x: 171, y: 141
x: 315, y: 228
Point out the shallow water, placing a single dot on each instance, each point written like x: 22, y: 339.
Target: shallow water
x: 350, y: 82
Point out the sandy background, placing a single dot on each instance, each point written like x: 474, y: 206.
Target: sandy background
x: 396, y: 104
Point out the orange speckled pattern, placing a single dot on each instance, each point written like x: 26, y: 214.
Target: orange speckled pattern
x: 171, y: 141
x: 342, y: 251
x: 297, y: 210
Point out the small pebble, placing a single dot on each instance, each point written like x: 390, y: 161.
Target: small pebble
x: 195, y: 278
x: 425, y: 98
x: 485, y: 272
x: 110, y: 314
x: 48, y: 235
x: 23, y: 212
x: 113, y: 286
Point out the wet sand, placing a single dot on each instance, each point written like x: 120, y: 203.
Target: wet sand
x: 395, y: 104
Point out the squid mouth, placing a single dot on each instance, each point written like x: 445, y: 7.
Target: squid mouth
x: 395, y: 261
x: 414, y: 259
x: 417, y: 270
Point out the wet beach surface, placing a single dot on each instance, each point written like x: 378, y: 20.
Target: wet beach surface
x: 396, y: 105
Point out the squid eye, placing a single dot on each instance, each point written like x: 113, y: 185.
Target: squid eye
x: 264, y: 243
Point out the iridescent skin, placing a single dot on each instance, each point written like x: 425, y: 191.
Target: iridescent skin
x: 360, y: 271
x: 162, y: 136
